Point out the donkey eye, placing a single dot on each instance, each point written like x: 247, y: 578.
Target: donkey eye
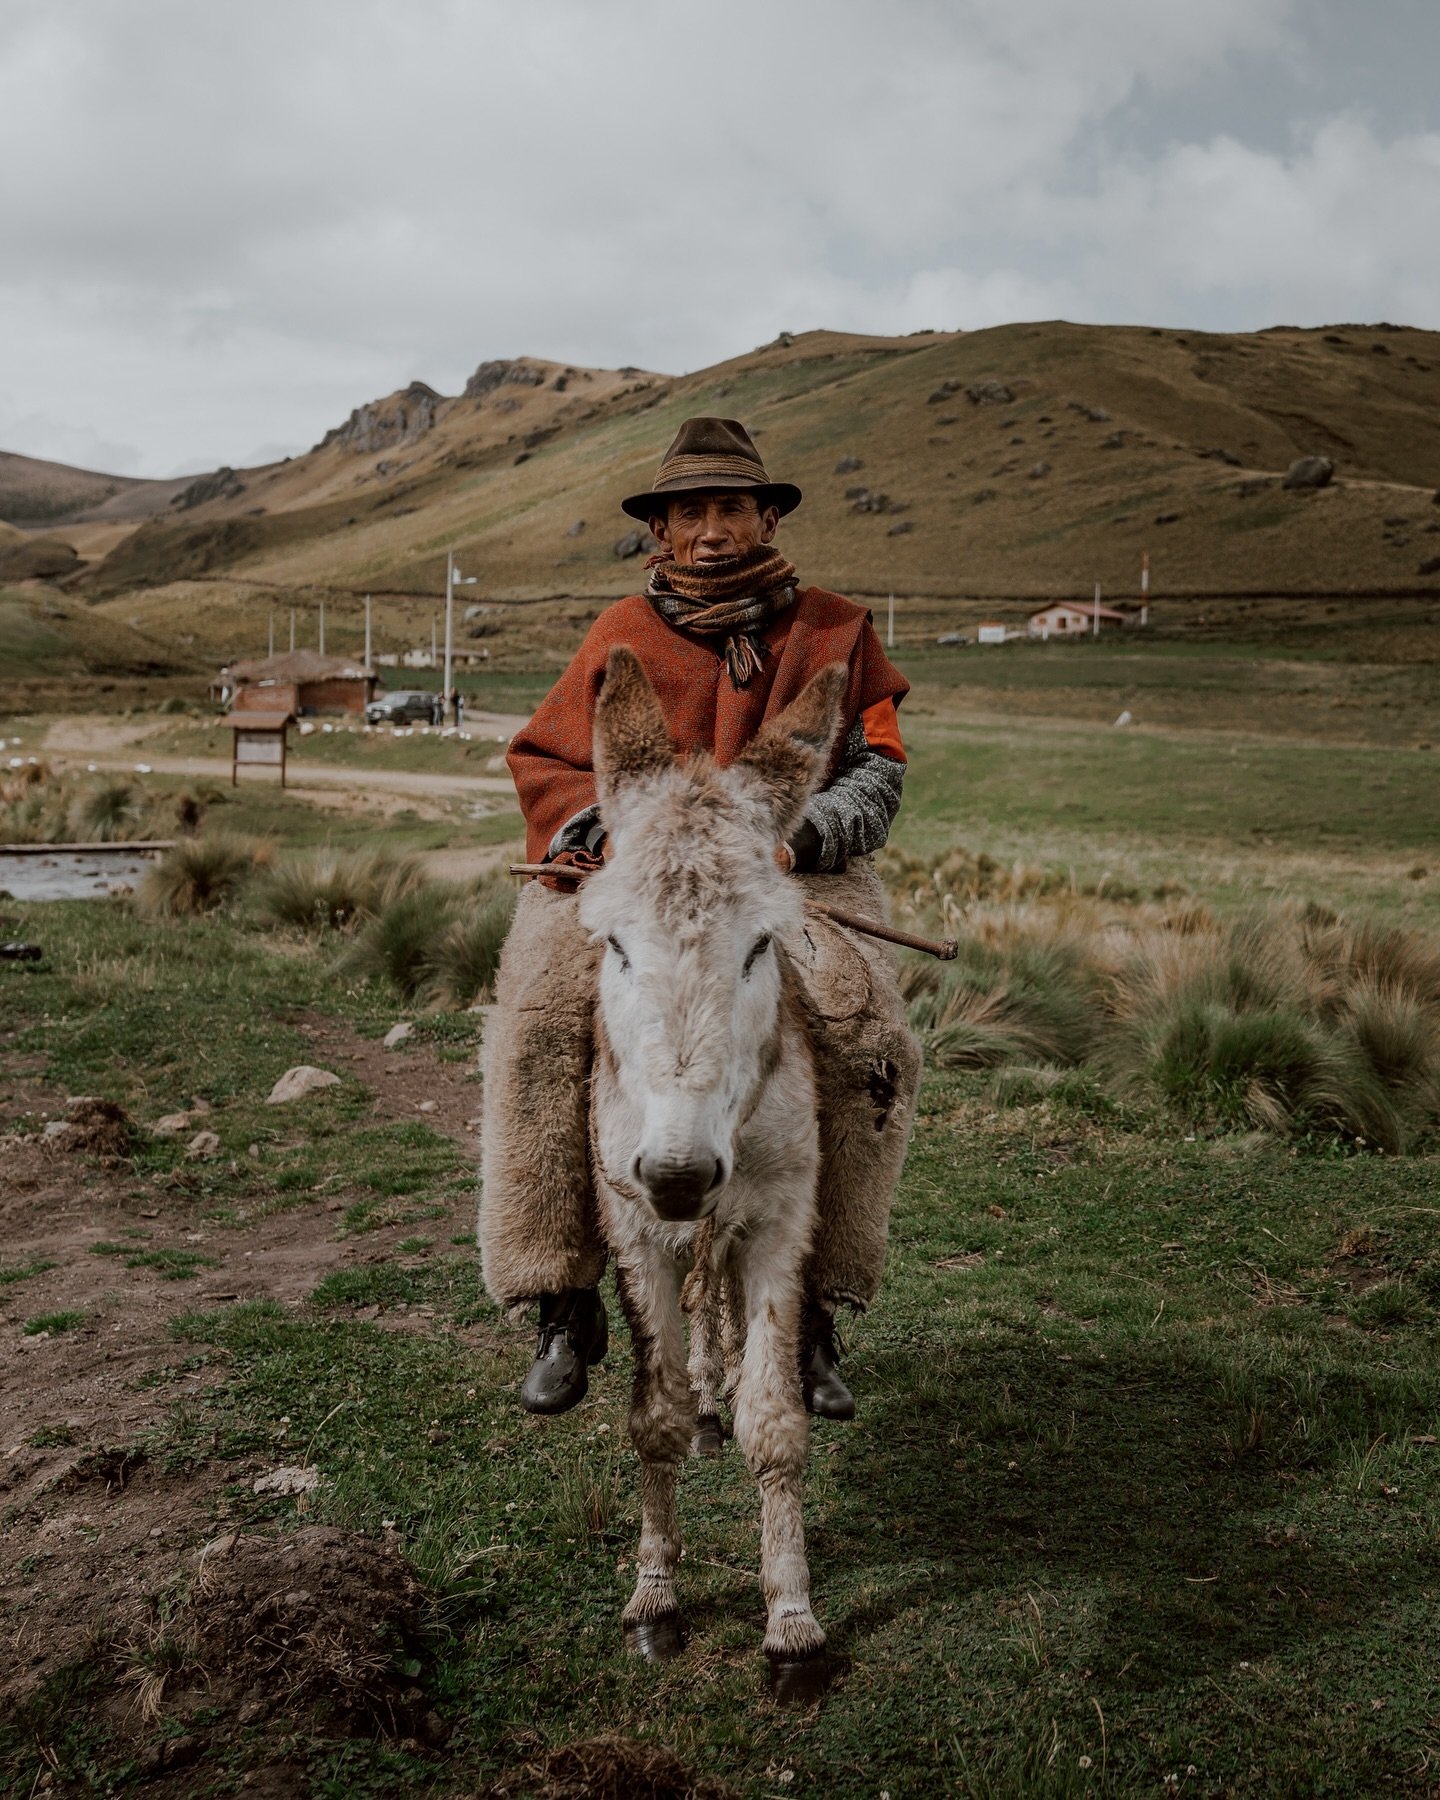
x: 619, y: 950
x: 757, y: 949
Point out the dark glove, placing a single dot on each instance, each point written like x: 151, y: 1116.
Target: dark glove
x: 805, y: 847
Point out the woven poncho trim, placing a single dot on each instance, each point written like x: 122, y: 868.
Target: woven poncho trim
x: 734, y: 597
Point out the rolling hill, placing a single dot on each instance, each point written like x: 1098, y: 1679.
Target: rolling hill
x: 1027, y: 460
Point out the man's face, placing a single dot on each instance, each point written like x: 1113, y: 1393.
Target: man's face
x: 705, y: 526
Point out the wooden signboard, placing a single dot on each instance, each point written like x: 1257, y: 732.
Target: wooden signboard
x: 260, y: 742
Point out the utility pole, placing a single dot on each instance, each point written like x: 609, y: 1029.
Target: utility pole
x: 292, y: 630
x: 369, y: 669
x: 1144, y: 587
x: 322, y: 627
x: 271, y: 650
x: 890, y: 626
x: 1095, y: 627
x: 453, y: 579
x: 434, y: 644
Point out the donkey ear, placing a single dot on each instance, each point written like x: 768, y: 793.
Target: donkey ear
x: 788, y: 755
x: 630, y: 735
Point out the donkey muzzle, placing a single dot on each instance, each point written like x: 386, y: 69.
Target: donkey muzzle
x: 680, y: 1190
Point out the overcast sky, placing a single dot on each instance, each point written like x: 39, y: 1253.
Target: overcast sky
x: 224, y: 225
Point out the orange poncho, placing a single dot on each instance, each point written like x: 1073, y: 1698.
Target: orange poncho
x: 551, y: 759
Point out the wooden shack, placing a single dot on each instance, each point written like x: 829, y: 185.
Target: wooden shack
x: 298, y: 682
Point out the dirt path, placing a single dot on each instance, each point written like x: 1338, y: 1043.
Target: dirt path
x: 119, y: 744
x: 92, y: 1528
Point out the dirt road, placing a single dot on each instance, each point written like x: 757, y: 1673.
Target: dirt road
x: 119, y: 744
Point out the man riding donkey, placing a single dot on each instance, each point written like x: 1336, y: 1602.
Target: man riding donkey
x: 727, y: 638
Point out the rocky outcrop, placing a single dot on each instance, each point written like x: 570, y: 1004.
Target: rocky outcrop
x: 500, y: 373
x: 1309, y: 472
x: 383, y: 424
x: 38, y: 559
x: 633, y: 543
x: 224, y: 484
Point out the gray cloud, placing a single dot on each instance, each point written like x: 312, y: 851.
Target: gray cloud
x: 226, y: 226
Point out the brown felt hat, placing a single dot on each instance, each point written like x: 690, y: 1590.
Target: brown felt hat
x: 709, y: 454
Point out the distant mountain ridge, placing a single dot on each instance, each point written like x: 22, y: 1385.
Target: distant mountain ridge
x: 1024, y: 459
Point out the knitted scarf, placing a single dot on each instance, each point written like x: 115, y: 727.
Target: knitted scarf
x: 734, y: 598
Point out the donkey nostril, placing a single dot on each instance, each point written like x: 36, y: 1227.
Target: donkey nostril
x: 720, y: 1176
x: 637, y: 1171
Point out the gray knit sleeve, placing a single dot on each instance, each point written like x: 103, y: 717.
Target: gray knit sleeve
x: 854, y: 814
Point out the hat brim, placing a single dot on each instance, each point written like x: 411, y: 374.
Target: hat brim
x: 782, y: 494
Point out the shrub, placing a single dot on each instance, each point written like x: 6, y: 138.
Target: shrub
x: 464, y: 959
x: 335, y: 890
x: 198, y: 875
x: 1293, y: 1020
x: 104, y: 813
x: 1245, y: 1026
x: 399, y: 944
x: 999, y: 1003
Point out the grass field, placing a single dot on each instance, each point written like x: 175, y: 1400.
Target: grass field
x: 1145, y: 1489
x: 1144, y: 1484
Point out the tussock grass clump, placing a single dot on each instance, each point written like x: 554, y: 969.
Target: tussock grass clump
x: 199, y: 875
x: 399, y: 944
x: 1277, y: 1022
x: 1291, y: 1021
x: 1023, y: 988
x: 335, y: 890
x: 464, y: 960
x: 104, y: 814
x: 39, y: 806
x: 437, y: 943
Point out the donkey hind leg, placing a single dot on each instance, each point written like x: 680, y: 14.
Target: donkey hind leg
x: 773, y: 1431
x: 662, y: 1418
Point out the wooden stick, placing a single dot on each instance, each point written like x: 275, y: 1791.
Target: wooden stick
x: 946, y: 949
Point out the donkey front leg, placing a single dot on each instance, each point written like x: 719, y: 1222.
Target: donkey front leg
x: 773, y: 1432
x: 662, y: 1418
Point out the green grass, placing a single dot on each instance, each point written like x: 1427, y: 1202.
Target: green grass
x: 171, y: 1265
x: 53, y: 1323
x: 1129, y: 1447
x: 215, y: 1011
x: 13, y: 1272
x: 1145, y: 1477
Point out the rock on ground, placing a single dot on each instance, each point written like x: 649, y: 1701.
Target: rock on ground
x: 295, y: 1083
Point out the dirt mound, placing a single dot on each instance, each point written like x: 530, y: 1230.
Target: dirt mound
x: 620, y: 1768
x: 97, y: 1128
x: 321, y: 1618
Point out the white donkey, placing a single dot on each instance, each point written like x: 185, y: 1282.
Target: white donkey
x: 704, y: 1125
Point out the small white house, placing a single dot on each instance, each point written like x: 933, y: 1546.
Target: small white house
x: 991, y: 633
x: 1074, y: 619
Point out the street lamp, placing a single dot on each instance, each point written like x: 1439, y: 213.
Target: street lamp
x: 452, y: 581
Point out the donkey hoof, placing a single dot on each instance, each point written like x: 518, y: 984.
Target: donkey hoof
x: 657, y: 1640
x: 800, y: 1680
x: 709, y: 1438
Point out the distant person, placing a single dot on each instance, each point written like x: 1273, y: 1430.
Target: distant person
x: 459, y: 703
x: 437, y: 711
x: 728, y: 637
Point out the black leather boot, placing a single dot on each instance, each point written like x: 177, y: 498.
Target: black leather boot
x: 826, y: 1394
x: 574, y: 1333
